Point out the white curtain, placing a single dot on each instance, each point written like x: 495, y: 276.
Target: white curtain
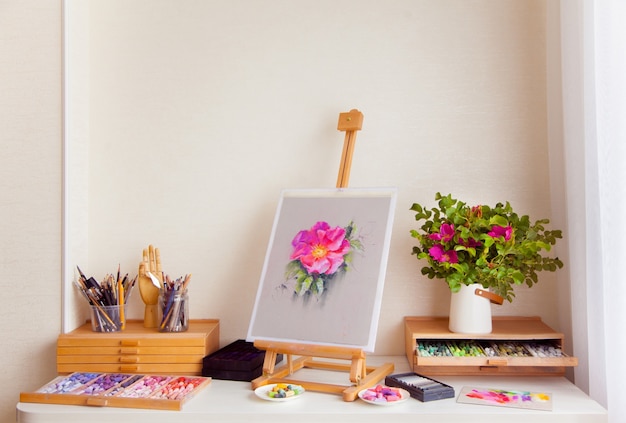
x: 593, y: 70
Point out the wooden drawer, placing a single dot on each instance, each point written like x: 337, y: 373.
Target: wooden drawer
x: 123, y: 351
x: 156, y: 392
x: 137, y: 349
x: 510, y: 349
x: 163, y: 368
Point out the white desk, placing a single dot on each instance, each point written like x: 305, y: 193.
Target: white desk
x: 229, y: 401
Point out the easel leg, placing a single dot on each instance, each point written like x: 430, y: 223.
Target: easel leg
x: 269, y: 362
x: 277, y: 375
x: 368, y: 381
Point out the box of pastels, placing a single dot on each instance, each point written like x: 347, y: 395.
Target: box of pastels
x: 420, y: 387
x: 516, y: 346
x: 118, y: 390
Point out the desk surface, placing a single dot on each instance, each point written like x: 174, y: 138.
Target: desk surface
x: 230, y: 401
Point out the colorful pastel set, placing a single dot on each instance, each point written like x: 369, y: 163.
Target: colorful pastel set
x: 420, y: 387
x: 474, y: 348
x: 516, y: 346
x: 119, y: 390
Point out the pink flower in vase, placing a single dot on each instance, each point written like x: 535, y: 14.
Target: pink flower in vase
x: 446, y: 233
x: 438, y: 253
x: 498, y: 231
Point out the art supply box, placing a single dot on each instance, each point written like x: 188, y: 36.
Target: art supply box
x: 160, y: 392
x: 509, y: 334
x: 138, y: 349
x: 420, y: 387
x: 239, y: 360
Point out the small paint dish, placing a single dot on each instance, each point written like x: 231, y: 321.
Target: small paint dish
x: 279, y: 392
x: 384, y: 395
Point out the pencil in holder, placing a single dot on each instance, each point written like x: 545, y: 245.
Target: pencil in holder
x: 174, y: 310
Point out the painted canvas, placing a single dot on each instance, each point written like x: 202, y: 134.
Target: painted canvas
x: 324, y: 270
x: 506, y: 398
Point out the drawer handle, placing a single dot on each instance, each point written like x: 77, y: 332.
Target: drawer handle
x: 128, y: 369
x: 96, y: 402
x: 129, y: 359
x: 129, y: 342
x: 129, y: 350
x: 497, y: 362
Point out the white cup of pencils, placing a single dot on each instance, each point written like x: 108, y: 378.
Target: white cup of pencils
x: 107, y: 300
x: 174, y: 305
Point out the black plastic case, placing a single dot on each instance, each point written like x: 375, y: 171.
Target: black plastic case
x: 420, y: 387
x: 239, y: 360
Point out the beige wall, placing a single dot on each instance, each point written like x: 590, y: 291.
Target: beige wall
x: 201, y: 112
x: 30, y: 201
x: 188, y: 118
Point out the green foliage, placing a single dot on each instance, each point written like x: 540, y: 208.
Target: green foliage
x: 492, y: 246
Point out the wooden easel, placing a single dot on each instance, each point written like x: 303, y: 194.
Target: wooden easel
x: 317, y: 356
x: 350, y: 122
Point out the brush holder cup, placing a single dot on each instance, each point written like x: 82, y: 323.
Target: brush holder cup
x: 174, y: 311
x: 108, y: 318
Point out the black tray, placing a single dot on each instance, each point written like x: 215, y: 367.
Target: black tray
x: 239, y: 360
x: 420, y: 387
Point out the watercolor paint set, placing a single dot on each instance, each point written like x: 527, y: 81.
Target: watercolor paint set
x: 420, y: 387
x: 240, y: 361
x: 124, y: 390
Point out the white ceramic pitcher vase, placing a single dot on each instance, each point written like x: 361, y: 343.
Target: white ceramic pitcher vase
x: 470, y: 309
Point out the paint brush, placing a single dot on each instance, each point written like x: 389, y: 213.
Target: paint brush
x: 120, y: 298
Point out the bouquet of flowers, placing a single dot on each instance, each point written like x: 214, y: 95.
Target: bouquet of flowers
x: 492, y: 246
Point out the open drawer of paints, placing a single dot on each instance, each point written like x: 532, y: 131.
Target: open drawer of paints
x: 516, y: 346
x: 118, y: 390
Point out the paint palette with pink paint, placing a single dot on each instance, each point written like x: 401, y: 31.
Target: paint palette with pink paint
x: 384, y: 395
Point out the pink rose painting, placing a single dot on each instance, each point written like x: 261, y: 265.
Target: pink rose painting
x: 319, y: 254
x: 324, y: 272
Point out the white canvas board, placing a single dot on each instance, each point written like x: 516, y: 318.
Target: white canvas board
x: 341, y: 307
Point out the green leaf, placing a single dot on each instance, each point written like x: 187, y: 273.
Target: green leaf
x: 417, y: 208
x: 498, y: 220
x: 319, y: 284
x: 305, y: 286
x: 546, y: 246
x: 518, y: 277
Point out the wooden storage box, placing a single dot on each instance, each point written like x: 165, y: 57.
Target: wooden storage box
x: 118, y: 390
x: 519, y: 332
x: 138, y: 349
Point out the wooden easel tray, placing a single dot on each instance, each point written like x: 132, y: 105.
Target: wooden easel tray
x: 160, y: 392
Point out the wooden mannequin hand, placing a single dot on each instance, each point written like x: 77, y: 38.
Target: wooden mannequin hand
x: 149, y: 292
